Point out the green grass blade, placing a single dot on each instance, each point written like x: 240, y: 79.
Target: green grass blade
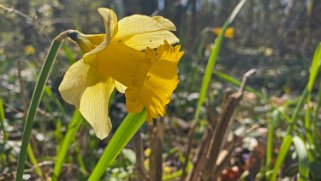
x: 50, y: 94
x: 68, y: 139
x: 286, y: 143
x: 212, y: 59
x: 69, y: 54
x: 124, y: 133
x: 229, y: 79
x: 315, y: 66
x: 35, y: 100
x: 298, y: 108
x: 314, y: 70
x: 2, y: 117
x: 34, y: 161
x: 80, y: 160
x: 315, y: 121
x: 303, y: 158
x: 269, y: 147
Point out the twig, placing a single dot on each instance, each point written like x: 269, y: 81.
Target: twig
x: 199, y: 159
x: 224, y: 120
x: 23, y: 97
x: 139, y: 150
x: 188, y: 150
x: 156, y: 144
x: 224, y: 157
x: 13, y: 10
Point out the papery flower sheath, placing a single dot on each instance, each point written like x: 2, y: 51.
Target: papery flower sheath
x: 123, y: 58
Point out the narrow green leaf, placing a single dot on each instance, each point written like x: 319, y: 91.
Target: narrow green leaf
x: 315, y: 66
x: 315, y: 122
x: 68, y: 139
x: 234, y: 81
x: 124, y: 133
x: 35, y: 100
x: 212, y: 59
x: 314, y: 70
x: 2, y: 116
x: 303, y: 158
x: 69, y: 54
x: 34, y: 161
x: 269, y: 147
x: 286, y: 143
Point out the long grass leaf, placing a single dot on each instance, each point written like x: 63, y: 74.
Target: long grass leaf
x: 303, y: 158
x: 314, y: 70
x: 2, y: 117
x: 69, y: 54
x: 34, y: 161
x: 35, y: 100
x: 315, y: 121
x: 269, y: 147
x: 68, y: 139
x: 286, y: 143
x: 315, y: 66
x: 212, y: 59
x: 229, y: 79
x: 124, y: 133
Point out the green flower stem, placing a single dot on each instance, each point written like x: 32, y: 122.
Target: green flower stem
x: 63, y: 149
x: 35, y: 100
x: 124, y: 133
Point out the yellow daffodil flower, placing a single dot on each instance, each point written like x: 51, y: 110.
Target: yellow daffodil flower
x: 123, y: 58
x: 229, y: 33
x: 159, y: 84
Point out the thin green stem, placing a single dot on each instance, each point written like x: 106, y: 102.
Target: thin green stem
x: 35, y: 100
x: 124, y: 133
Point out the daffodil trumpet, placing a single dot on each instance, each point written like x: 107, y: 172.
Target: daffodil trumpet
x: 134, y: 56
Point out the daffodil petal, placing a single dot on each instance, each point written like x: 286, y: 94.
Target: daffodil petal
x: 74, y: 83
x: 110, y: 21
x: 89, y: 42
x: 120, y: 87
x: 150, y: 39
x: 166, y: 23
x: 139, y: 24
x: 111, y: 28
x: 159, y: 84
x: 94, y: 106
x: 124, y: 64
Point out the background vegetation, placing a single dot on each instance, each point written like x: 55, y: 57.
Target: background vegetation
x: 277, y: 38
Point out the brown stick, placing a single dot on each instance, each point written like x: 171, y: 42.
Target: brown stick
x: 200, y: 158
x: 156, y: 144
x: 221, y: 127
x: 188, y: 150
x: 139, y: 151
